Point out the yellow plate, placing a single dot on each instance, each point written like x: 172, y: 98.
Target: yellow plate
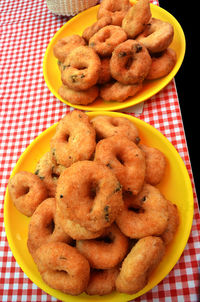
x: 176, y: 186
x: 76, y: 26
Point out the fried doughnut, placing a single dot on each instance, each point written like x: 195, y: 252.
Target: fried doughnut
x: 138, y: 265
x: 81, y: 68
x: 75, y: 230
x: 145, y: 214
x: 155, y: 164
x: 44, y: 226
x: 106, y: 39
x: 106, y: 126
x: 48, y: 173
x: 137, y: 17
x: 173, y: 223
x: 89, y: 193
x: 95, y: 27
x: 124, y: 159
x: 106, y: 251
x: 102, y: 282
x: 130, y: 62
x: 65, y: 45
x: 118, y: 92
x: 74, y: 139
x: 162, y: 64
x: 157, y: 35
x: 62, y: 267
x: 115, y: 9
x: 83, y: 97
x: 27, y: 191
x: 104, y: 74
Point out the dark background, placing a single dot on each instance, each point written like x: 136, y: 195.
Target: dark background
x: 187, y: 79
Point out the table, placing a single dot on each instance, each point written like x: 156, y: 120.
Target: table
x: 27, y: 108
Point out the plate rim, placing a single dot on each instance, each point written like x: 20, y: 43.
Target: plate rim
x: 11, y: 243
x: 119, y: 105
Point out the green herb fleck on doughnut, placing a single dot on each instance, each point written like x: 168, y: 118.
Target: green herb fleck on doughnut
x: 118, y: 188
x: 74, y: 78
x: 122, y: 54
x: 109, y: 165
x: 143, y: 199
x: 106, y: 213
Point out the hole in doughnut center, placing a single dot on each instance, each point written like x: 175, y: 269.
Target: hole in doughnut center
x: 26, y: 190
x: 22, y: 191
x: 54, y: 175
x: 50, y: 226
x: 119, y: 158
x: 135, y: 209
x: 67, y: 137
x: 82, y: 67
x: 93, y: 189
x: 104, y: 37
x: 109, y: 238
x: 128, y: 63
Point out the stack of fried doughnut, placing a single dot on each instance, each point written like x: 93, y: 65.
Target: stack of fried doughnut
x: 116, y: 54
x: 98, y: 223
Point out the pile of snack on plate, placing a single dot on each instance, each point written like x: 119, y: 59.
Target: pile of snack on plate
x: 98, y: 223
x: 114, y: 56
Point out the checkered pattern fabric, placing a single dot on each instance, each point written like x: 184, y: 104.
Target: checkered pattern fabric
x: 27, y: 108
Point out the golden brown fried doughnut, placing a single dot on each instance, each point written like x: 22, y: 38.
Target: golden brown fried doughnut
x: 89, y: 193
x: 138, y: 265
x: 157, y: 35
x: 62, y: 267
x: 95, y: 27
x: 65, y: 45
x: 155, y: 164
x: 106, y: 39
x: 44, y: 226
x: 106, y: 126
x: 118, y: 92
x: 124, y: 159
x: 74, y: 139
x: 81, y: 68
x: 162, y: 64
x: 102, y: 282
x: 48, y: 172
x: 106, y: 251
x: 104, y: 74
x: 130, y: 62
x: 145, y: 214
x: 83, y: 97
x: 115, y: 9
x: 137, y: 17
x: 27, y: 191
x: 173, y: 223
x: 74, y: 229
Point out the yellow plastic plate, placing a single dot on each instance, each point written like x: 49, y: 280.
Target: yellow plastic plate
x: 76, y: 26
x: 176, y: 186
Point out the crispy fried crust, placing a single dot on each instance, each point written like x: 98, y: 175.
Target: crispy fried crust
x: 74, y: 139
x: 89, y: 194
x: 107, y: 251
x: 139, y: 263
x: 130, y: 62
x: 145, y: 214
x: 62, y: 267
x: 27, y: 191
x: 124, y: 159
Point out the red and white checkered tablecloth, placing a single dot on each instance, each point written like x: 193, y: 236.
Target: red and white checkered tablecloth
x: 27, y: 108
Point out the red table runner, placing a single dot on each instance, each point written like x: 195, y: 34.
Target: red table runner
x: 27, y: 107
